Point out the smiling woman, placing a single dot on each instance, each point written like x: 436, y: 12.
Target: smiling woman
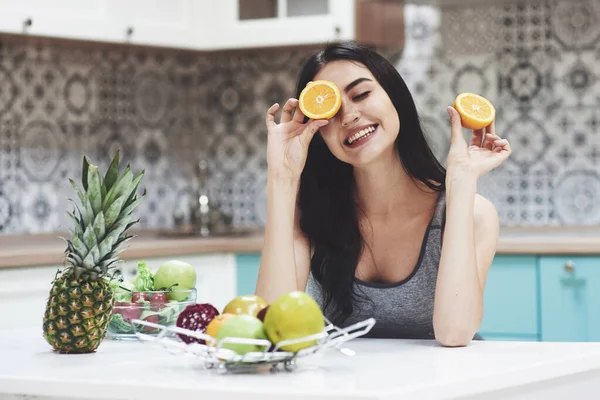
x: 362, y: 215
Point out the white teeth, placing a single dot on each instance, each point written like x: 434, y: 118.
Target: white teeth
x: 360, y: 134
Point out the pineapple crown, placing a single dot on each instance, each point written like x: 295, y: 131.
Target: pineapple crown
x: 102, y: 221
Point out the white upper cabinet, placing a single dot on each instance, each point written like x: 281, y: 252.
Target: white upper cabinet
x: 263, y: 23
x: 163, y: 23
x: 71, y: 19
x: 201, y: 24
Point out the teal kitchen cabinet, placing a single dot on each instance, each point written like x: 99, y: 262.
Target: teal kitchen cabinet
x: 246, y: 272
x: 511, y: 301
x: 570, y: 298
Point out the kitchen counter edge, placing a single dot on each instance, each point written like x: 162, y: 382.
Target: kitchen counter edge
x: 47, y: 249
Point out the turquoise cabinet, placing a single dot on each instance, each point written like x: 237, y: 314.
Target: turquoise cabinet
x: 570, y: 297
x: 527, y: 297
x: 511, y: 303
x: 246, y: 272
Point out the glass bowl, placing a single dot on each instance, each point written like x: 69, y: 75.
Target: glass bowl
x: 160, y: 307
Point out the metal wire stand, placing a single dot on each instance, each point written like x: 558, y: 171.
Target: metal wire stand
x: 215, y: 356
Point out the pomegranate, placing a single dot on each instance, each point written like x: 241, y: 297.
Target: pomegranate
x: 196, y: 317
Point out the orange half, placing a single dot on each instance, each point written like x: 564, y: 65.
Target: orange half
x: 476, y: 112
x: 320, y: 100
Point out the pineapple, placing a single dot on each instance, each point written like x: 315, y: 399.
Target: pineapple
x: 80, y: 302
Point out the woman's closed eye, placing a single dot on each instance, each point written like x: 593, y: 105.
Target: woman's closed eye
x: 361, y: 96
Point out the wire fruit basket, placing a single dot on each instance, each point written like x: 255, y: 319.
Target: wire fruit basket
x: 215, y: 356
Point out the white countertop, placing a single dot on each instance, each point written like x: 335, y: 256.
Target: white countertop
x: 381, y: 369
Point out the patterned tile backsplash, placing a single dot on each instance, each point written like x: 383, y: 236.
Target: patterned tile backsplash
x: 539, y: 61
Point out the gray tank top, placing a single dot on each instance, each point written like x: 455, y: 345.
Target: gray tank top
x: 403, y: 309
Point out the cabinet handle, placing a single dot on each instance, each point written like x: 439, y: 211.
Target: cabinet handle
x: 26, y: 24
x: 338, y: 31
x: 129, y: 33
x: 569, y: 266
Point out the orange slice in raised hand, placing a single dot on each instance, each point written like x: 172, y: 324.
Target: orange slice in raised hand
x: 476, y: 112
x: 320, y: 100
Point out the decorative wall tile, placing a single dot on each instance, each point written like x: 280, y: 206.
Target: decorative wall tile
x: 10, y: 205
x: 577, y: 138
x: 9, y: 147
x: 520, y: 198
x: 537, y: 60
x: 578, y: 197
x: 576, y: 23
x: 577, y: 79
x: 526, y: 25
x: 9, y: 89
x: 40, y: 203
x: 525, y: 78
x: 528, y: 136
x: 422, y: 35
x: 471, y: 30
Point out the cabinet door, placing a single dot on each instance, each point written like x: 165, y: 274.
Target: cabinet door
x: 511, y: 299
x: 280, y: 23
x: 72, y: 19
x: 570, y: 298
x: 176, y: 23
x: 247, y: 265
x: 23, y: 296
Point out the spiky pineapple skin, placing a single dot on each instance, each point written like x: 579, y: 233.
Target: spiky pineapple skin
x: 77, y: 314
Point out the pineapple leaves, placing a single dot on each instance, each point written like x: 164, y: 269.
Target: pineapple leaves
x: 134, y: 185
x: 106, y: 264
x: 79, y: 247
x: 99, y: 226
x: 120, y: 187
x: 88, y: 211
x: 113, y: 211
x: 92, y: 258
x: 89, y: 237
x: 101, y: 217
x: 94, y: 191
x: 77, y: 226
x: 132, y: 223
x: 84, y: 172
x: 113, y: 172
x: 129, y: 209
x: 107, y: 245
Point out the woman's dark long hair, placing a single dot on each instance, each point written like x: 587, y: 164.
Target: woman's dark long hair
x: 327, y: 202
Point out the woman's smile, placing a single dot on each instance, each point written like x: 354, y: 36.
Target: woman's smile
x: 361, y: 135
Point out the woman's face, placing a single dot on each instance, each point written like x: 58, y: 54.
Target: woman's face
x: 367, y: 123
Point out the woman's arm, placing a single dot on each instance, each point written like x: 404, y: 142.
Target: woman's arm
x: 285, y: 260
x: 469, y: 246
x: 470, y: 236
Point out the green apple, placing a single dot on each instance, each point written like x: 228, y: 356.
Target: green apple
x: 242, y: 326
x: 294, y: 315
x: 250, y: 304
x: 175, y: 272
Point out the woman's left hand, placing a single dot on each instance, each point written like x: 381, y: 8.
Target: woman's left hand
x: 486, y: 151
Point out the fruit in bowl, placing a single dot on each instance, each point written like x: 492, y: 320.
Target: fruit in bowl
x: 152, y: 306
x: 141, y: 299
x: 175, y: 273
x: 292, y: 316
x: 242, y: 326
x: 248, y: 304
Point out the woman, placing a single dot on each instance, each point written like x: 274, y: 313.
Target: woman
x: 377, y: 227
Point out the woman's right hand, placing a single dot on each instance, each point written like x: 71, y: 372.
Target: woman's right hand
x: 287, y: 143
